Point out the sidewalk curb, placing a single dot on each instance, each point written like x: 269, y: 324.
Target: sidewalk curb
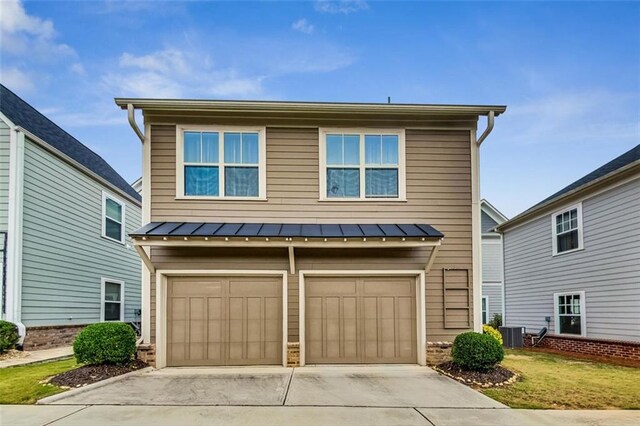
x: 72, y: 392
x: 38, y: 361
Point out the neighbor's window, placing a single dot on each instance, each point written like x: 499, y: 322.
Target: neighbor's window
x: 112, y: 218
x: 112, y: 300
x: 567, y: 230
x: 362, y: 165
x: 570, y: 315
x: 485, y: 307
x: 221, y: 163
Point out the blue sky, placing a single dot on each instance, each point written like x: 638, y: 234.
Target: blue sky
x: 569, y: 72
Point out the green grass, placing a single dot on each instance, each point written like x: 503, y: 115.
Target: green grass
x: 550, y: 381
x: 22, y: 385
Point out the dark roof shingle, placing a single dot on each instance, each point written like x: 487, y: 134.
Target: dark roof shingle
x: 24, y: 115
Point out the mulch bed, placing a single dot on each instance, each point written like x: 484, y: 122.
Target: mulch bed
x: 88, y: 374
x: 497, y: 377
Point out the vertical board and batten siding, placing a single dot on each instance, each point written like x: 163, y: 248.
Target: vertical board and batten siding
x: 492, y: 270
x: 4, y: 175
x: 438, y: 173
x: 607, y: 270
x: 64, y: 254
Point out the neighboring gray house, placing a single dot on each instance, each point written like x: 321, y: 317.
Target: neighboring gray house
x: 492, y: 264
x: 64, y: 219
x: 572, y: 262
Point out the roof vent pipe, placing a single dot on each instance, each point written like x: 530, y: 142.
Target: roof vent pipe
x: 131, y: 113
x: 489, y: 128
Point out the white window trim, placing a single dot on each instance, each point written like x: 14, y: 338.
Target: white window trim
x: 554, y: 232
x: 402, y: 187
x: 262, y: 161
x: 106, y: 196
x: 103, y: 281
x: 486, y: 299
x: 583, y: 313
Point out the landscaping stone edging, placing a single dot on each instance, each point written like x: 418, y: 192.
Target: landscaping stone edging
x: 71, y: 392
x: 510, y: 381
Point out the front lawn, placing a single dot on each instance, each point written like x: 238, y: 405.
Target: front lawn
x: 551, y: 381
x: 22, y: 385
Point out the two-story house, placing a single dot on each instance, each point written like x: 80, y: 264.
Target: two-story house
x: 64, y: 219
x: 572, y: 263
x: 307, y: 233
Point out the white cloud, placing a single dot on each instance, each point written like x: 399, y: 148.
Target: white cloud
x: 574, y: 117
x: 303, y: 26
x: 78, y: 69
x: 23, y: 34
x: 344, y: 7
x: 16, y: 79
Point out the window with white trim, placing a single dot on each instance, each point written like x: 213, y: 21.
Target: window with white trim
x: 567, y: 230
x: 570, y: 313
x: 485, y: 309
x: 113, y: 218
x: 221, y: 163
x: 112, y: 308
x: 359, y: 165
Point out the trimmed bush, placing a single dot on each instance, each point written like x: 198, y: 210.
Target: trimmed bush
x: 487, y: 329
x: 105, y: 343
x: 476, y: 352
x: 496, y: 321
x: 8, y: 335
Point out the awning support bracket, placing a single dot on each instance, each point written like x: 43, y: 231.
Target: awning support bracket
x: 292, y: 260
x: 431, y: 259
x: 145, y: 258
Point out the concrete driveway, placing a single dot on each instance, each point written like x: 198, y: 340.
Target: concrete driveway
x: 359, y: 386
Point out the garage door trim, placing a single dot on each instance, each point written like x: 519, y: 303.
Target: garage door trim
x: 420, y: 304
x: 161, y: 303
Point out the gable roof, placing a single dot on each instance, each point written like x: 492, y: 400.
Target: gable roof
x: 493, y: 212
x: 25, y: 116
x: 624, y: 161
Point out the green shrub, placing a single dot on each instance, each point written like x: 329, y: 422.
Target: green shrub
x: 8, y: 335
x: 105, y: 343
x: 477, y: 352
x: 496, y: 321
x: 487, y: 329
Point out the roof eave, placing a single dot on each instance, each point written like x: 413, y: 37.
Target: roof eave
x: 307, y: 107
x: 532, y: 212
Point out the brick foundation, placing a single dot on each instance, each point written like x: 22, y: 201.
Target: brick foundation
x: 586, y: 346
x: 438, y: 352
x: 293, y: 354
x: 50, y: 336
x: 147, y: 353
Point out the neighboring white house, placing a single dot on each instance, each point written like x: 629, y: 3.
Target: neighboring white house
x: 572, y: 262
x: 492, y: 264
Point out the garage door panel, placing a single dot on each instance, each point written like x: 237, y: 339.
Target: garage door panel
x: 360, y: 320
x: 218, y: 321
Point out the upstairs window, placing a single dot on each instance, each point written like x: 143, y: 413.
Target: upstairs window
x: 570, y: 313
x: 567, y: 230
x: 112, y: 218
x: 221, y: 163
x: 361, y: 165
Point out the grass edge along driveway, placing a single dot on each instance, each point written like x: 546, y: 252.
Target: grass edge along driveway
x: 23, y: 384
x: 550, y: 381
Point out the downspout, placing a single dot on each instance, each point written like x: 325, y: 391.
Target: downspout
x: 486, y: 132
x: 131, y: 114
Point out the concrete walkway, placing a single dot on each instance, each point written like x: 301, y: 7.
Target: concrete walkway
x: 39, y: 356
x: 81, y: 415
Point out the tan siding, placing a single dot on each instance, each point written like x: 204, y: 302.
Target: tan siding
x: 438, y: 193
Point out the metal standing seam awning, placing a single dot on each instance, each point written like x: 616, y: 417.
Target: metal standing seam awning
x: 291, y: 236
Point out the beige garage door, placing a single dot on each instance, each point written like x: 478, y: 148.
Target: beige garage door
x: 224, y: 321
x: 360, y: 320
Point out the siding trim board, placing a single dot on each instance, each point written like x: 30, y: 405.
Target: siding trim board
x: 161, y: 303
x: 14, y: 226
